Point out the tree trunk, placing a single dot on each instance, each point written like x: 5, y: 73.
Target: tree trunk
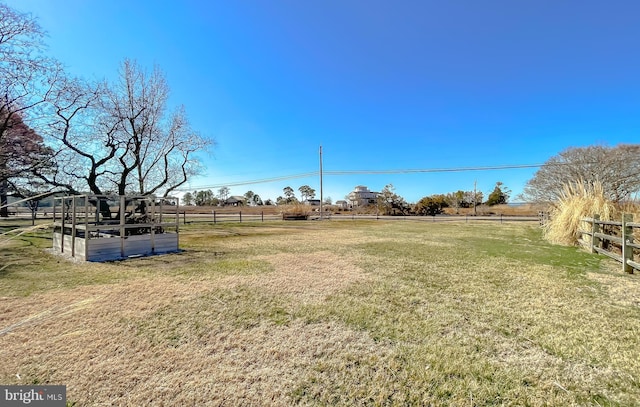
x: 4, y: 211
x: 33, y: 206
x: 105, y: 209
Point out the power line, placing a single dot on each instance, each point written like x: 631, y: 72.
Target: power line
x: 257, y: 181
x: 364, y: 172
x: 427, y: 170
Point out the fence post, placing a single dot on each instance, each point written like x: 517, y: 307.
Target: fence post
x: 73, y: 226
x: 595, y: 228
x: 123, y: 230
x: 240, y: 216
x: 627, y: 237
x: 184, y: 217
x: 62, y: 207
x: 262, y: 216
x: 214, y: 217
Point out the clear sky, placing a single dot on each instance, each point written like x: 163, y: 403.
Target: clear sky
x: 381, y: 85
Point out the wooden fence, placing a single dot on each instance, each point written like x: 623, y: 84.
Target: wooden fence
x: 239, y: 216
x: 223, y: 217
x: 613, y: 239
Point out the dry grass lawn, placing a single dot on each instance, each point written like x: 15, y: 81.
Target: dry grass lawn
x: 332, y: 313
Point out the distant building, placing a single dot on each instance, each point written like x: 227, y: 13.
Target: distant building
x: 236, y: 200
x: 312, y: 202
x: 342, y: 204
x: 361, y: 196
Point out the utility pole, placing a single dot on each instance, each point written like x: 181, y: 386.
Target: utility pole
x: 321, y: 197
x: 475, y: 198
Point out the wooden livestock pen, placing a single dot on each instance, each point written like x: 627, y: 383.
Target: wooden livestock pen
x: 104, y: 227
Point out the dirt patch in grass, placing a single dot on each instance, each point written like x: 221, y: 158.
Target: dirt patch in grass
x: 307, y: 277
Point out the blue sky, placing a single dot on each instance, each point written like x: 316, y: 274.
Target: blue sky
x: 380, y: 85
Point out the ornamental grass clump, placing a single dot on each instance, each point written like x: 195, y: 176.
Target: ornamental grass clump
x: 297, y: 209
x: 578, y: 200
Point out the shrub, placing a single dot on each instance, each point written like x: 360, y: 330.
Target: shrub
x: 297, y: 209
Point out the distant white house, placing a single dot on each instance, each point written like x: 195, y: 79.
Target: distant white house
x: 361, y: 196
x: 342, y: 204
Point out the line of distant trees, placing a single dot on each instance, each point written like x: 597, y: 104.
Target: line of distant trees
x: 390, y: 203
x: 208, y: 198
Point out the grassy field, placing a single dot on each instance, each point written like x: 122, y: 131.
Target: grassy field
x: 332, y: 313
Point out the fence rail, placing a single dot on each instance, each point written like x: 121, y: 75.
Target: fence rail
x: 607, y: 236
x: 242, y: 217
x: 250, y: 216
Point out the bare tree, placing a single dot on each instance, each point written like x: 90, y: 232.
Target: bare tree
x: 617, y: 168
x: 456, y: 200
x: 471, y: 199
x: 119, y: 138
x: 27, y: 78
x: 83, y: 152
x: 155, y: 149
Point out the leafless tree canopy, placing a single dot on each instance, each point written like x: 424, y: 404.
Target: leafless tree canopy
x: 119, y: 137
x: 27, y: 79
x: 27, y: 75
x: 617, y: 168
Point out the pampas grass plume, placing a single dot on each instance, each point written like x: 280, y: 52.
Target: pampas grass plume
x: 578, y: 200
